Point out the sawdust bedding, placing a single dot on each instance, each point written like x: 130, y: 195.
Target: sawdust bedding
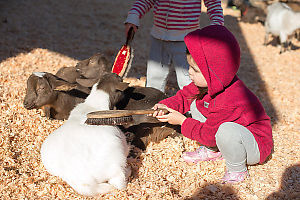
x: 47, y: 35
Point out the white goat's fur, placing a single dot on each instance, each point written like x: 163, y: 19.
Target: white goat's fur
x: 39, y: 74
x: 281, y: 21
x: 91, y: 159
x: 97, y: 100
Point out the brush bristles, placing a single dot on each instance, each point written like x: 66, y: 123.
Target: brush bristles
x: 109, y: 121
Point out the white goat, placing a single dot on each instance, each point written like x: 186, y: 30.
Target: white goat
x: 281, y: 21
x: 91, y: 159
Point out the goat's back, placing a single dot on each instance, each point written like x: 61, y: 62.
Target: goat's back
x: 140, y: 98
x: 145, y: 128
x: 68, y: 74
x: 274, y: 18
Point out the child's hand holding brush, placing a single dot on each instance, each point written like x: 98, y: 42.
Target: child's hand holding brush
x: 173, y: 117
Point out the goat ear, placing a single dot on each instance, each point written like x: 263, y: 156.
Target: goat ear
x: 122, y: 86
x: 86, y: 82
x: 94, y: 60
x: 58, y: 84
x: 65, y: 87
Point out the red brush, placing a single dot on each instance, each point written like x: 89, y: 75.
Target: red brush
x: 124, y: 57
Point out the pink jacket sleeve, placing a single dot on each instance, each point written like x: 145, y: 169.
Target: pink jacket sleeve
x: 183, y: 99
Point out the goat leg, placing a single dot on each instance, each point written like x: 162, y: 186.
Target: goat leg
x: 283, y: 47
x: 266, y: 39
x: 47, y: 111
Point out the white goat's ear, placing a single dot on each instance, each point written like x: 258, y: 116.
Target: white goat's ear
x: 122, y: 86
x: 86, y: 82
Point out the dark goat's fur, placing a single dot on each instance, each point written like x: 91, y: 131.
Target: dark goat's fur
x: 69, y: 74
x: 94, y: 66
x: 92, y: 69
x: 86, y: 72
x: 145, y: 128
x: 112, y: 84
x: 251, y: 13
x: 42, y: 93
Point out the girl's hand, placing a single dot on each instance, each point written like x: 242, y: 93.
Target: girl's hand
x: 174, y: 117
x: 127, y: 27
x: 157, y: 106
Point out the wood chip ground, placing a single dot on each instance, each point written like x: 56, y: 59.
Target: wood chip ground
x: 46, y: 35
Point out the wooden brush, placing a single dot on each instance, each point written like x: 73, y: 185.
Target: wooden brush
x: 116, y: 117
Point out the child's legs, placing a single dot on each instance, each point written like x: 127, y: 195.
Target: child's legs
x: 178, y: 51
x: 157, y: 65
x: 237, y: 145
x: 200, y: 117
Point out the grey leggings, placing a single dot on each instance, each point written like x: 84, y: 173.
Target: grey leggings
x: 164, y: 54
x: 236, y: 143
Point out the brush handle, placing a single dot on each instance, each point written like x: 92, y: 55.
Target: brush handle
x: 121, y: 113
x: 130, y: 36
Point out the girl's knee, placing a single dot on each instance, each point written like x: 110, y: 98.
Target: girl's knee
x: 226, y: 132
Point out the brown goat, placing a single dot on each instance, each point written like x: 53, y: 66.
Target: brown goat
x: 251, y: 12
x: 42, y: 91
x: 145, y: 128
x: 86, y: 72
x: 69, y: 74
x: 92, y: 69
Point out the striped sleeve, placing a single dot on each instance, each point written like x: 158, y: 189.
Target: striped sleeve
x: 214, y: 11
x: 141, y: 7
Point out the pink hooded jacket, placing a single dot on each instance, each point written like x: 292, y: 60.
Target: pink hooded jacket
x: 217, y: 53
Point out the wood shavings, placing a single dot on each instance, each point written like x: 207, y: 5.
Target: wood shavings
x: 35, y: 44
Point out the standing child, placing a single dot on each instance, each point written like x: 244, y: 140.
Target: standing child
x: 225, y: 113
x: 172, y: 21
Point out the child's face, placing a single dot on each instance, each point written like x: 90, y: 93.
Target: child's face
x: 195, y: 73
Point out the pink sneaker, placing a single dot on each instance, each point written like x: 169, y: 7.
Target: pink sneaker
x: 201, y: 154
x: 234, y: 177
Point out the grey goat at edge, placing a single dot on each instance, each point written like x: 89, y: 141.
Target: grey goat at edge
x: 281, y: 21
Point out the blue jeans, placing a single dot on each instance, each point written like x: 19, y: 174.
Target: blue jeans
x: 163, y: 54
x: 236, y: 143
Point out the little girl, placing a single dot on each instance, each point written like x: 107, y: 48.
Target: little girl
x: 226, y: 115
